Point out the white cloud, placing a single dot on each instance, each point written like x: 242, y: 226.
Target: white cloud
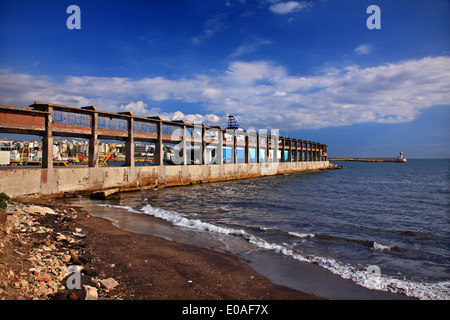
x: 262, y: 93
x: 140, y: 108
x: 364, y: 49
x: 241, y: 72
x: 137, y: 108
x: 288, y: 7
x: 249, y: 46
x: 211, y: 27
x: 208, y: 119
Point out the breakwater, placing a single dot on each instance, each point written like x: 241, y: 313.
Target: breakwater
x: 198, y: 153
x: 60, y: 181
x: 370, y: 159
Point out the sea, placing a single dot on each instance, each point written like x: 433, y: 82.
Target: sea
x: 367, y: 231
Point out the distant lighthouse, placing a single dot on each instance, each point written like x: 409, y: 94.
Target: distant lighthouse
x: 400, y: 158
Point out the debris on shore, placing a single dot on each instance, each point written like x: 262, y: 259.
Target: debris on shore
x: 51, y: 251
x: 43, y: 256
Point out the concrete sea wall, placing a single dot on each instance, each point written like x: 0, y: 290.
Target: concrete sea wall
x: 60, y: 181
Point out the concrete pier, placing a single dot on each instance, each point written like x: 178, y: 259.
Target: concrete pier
x: 401, y: 160
x: 19, y: 182
x: 201, y: 153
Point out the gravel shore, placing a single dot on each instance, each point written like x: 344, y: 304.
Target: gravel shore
x: 54, y: 252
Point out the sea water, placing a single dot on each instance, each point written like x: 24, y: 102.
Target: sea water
x: 384, y: 226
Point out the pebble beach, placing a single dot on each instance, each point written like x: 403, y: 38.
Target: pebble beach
x: 54, y: 252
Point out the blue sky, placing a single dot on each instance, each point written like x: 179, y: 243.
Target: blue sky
x: 311, y: 69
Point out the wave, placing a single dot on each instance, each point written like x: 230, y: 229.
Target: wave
x: 179, y: 219
x: 367, y: 243
x: 364, y: 243
x: 425, y: 291
x: 381, y: 247
x: 302, y: 235
x: 128, y: 208
x: 365, y: 278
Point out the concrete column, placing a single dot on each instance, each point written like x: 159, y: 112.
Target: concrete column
x: 257, y: 148
x: 282, y: 148
x: 290, y: 150
x: 229, y: 143
x: 159, y: 145
x: 296, y: 150
x: 310, y: 151
x: 274, y: 137
x: 247, y: 148
x: 197, y: 144
x: 233, y: 153
x: 307, y: 151
x: 183, y: 146
x: 300, y: 149
x: 93, y: 140
x: 220, y: 147
x: 304, y: 155
x: 203, y: 145
x: 316, y: 152
x: 47, y: 172
x: 47, y: 140
x: 129, y: 146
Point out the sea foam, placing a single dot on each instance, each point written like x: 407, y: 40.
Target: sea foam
x: 424, y: 291
x: 301, y: 235
x: 179, y: 219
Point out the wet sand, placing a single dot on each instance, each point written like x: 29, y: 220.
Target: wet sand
x: 152, y: 260
x: 281, y: 270
x: 150, y: 267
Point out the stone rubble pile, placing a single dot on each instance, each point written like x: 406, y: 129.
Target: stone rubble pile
x: 42, y: 257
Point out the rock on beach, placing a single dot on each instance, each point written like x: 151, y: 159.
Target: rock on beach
x: 39, y: 249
